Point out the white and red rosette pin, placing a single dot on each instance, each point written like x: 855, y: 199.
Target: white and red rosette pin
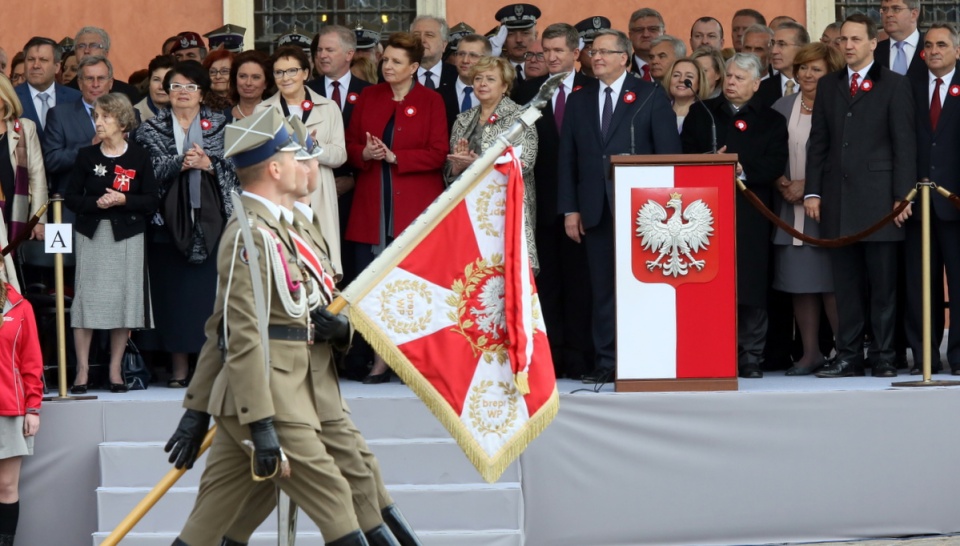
x: 410, y: 111
x: 629, y: 97
x: 352, y: 98
x: 306, y: 105
x: 205, y: 124
x: 866, y: 86
x: 16, y: 125
x: 741, y: 125
x: 954, y: 90
x: 493, y: 118
x: 576, y: 88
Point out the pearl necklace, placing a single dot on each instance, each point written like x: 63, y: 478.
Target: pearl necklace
x: 240, y: 111
x: 804, y: 105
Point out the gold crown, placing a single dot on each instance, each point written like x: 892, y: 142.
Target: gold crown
x: 674, y: 196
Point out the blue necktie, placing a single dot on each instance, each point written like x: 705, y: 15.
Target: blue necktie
x: 467, y: 103
x: 607, y: 112
x: 900, y: 61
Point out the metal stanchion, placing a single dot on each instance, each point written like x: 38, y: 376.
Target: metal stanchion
x: 925, y: 185
x: 57, y: 201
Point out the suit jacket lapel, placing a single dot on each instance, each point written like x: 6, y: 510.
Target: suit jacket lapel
x: 949, y: 105
x: 267, y: 218
x: 14, y: 139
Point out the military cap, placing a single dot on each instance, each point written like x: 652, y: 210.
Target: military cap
x: 257, y: 138
x: 518, y: 16
x: 187, y: 40
x: 458, y: 31
x: 309, y: 148
x: 294, y: 38
x: 66, y: 44
x: 366, y: 37
x: 588, y: 27
x: 228, y: 36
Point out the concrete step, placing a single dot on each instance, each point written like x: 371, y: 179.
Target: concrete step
x: 444, y: 508
x: 429, y: 538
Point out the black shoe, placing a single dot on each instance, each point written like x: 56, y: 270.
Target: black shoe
x: 597, y: 376
x: 118, y: 387
x: 79, y: 388
x: 842, y: 368
x: 399, y: 527
x: 372, y: 379
x: 883, y: 369
x: 956, y: 370
x: 750, y: 370
x: 900, y: 361
x: 381, y: 536
x: 354, y: 538
x: 917, y: 368
x: 806, y: 370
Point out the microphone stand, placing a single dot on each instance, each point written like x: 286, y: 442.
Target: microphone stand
x: 633, y: 146
x: 713, y: 123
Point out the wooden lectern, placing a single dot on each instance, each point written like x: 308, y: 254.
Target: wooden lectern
x: 675, y: 243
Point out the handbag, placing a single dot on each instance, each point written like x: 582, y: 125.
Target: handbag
x: 195, y: 233
x: 134, y: 369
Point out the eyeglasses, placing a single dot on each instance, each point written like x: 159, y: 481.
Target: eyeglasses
x: 529, y: 56
x: 92, y: 45
x: 95, y: 79
x: 604, y: 52
x: 894, y: 9
x: 221, y: 72
x: 188, y: 87
x: 781, y: 44
x: 18, y: 78
x: 289, y: 73
x: 650, y: 30
x: 472, y: 55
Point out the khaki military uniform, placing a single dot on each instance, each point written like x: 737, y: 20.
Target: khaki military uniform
x: 238, y: 395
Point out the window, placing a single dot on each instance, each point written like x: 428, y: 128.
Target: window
x: 274, y: 18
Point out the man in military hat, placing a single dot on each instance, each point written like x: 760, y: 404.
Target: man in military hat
x: 457, y: 32
x: 228, y: 37
x: 588, y: 30
x: 190, y: 47
x: 521, y: 23
x: 261, y: 395
x: 368, y: 43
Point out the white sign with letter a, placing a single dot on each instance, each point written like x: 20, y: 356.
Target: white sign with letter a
x: 58, y: 238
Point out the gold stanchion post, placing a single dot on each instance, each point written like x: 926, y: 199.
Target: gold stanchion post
x: 925, y: 185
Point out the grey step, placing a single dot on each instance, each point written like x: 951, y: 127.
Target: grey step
x: 424, y: 462
x: 471, y: 507
x: 483, y: 538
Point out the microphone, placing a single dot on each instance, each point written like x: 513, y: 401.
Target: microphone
x: 713, y: 123
x: 633, y: 147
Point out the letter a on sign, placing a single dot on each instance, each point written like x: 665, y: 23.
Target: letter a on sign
x: 58, y: 238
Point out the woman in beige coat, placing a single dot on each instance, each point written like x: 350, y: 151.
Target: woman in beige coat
x: 291, y: 68
x: 23, y: 181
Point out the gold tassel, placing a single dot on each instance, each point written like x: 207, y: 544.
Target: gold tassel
x: 522, y: 383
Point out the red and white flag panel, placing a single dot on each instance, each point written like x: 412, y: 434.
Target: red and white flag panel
x: 676, y: 283
x: 458, y: 319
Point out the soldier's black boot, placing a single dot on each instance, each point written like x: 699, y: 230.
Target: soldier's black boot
x: 381, y: 536
x: 229, y: 542
x: 399, y: 527
x: 355, y: 538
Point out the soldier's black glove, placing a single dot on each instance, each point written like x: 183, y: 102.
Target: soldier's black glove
x: 184, y: 445
x: 266, y: 448
x: 329, y: 327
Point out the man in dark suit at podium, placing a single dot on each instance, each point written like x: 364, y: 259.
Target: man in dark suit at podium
x: 618, y: 114
x: 938, y: 138
x: 901, y: 51
x: 563, y: 282
x: 861, y: 162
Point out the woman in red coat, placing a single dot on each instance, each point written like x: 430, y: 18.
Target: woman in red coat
x: 398, y: 141
x: 21, y: 390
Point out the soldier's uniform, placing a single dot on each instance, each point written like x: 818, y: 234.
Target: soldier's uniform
x: 240, y: 393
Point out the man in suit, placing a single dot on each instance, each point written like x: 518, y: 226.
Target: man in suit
x: 278, y: 414
x: 787, y: 41
x: 938, y: 101
x: 563, y: 282
x: 433, y: 72
x: 861, y: 162
x: 588, y: 29
x: 459, y: 97
x: 70, y: 125
x: 756, y: 133
x: 534, y: 63
x: 901, y: 52
x: 94, y: 41
x: 706, y: 32
x: 742, y: 20
x: 40, y: 93
x: 664, y: 51
x: 757, y: 41
x: 604, y: 119
x: 646, y: 24
x: 521, y: 23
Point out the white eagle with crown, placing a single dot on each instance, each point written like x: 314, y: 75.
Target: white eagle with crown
x: 676, y: 239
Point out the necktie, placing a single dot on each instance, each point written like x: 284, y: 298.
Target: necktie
x: 560, y: 107
x: 519, y: 68
x: 335, y: 96
x: 646, y: 73
x: 790, y: 88
x: 935, y: 105
x: 900, y: 61
x: 428, y: 80
x: 44, y: 108
x: 467, y: 102
x: 854, y: 85
x: 607, y: 112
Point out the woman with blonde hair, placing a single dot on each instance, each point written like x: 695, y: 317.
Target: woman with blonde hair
x: 675, y: 82
x: 712, y: 63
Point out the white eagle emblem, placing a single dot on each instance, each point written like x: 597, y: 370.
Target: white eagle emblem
x: 675, y: 240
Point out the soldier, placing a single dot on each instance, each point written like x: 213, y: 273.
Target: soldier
x: 277, y: 416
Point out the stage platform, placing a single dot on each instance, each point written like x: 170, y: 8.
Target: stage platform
x: 782, y: 460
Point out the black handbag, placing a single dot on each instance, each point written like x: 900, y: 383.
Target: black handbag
x: 195, y: 233
x: 134, y: 369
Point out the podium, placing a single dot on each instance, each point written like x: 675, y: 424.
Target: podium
x: 675, y: 245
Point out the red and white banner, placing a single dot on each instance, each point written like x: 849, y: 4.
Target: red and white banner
x: 458, y: 318
x: 676, y: 272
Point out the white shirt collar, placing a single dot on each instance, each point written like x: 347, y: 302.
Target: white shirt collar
x: 287, y: 215
x: 913, y: 40
x: 616, y: 86
x: 863, y: 72
x: 639, y: 63
x: 272, y: 207
x: 783, y: 83
x: 567, y: 82
x: 461, y: 87
x: 304, y: 209
x: 50, y: 91
x: 344, y: 82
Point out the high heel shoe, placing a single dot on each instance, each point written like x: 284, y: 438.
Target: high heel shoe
x: 373, y: 379
x: 78, y: 388
x: 119, y: 387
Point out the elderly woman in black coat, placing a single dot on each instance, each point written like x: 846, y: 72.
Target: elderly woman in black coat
x: 759, y: 136
x: 186, y: 145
